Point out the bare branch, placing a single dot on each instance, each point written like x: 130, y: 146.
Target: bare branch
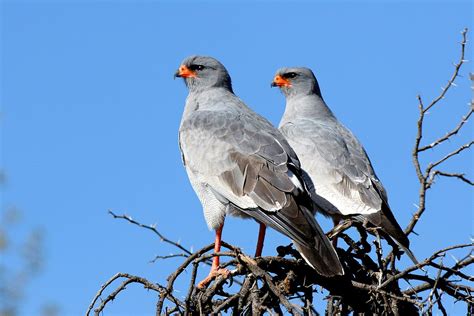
x: 153, y: 229
x: 440, y: 303
x: 129, y: 279
x: 258, y: 272
x: 451, y: 133
x: 451, y: 154
x: 457, y: 66
x: 283, y: 280
x: 426, y: 178
x: 454, y: 290
x: 374, y: 288
x: 169, y: 256
x: 419, y: 136
x: 427, y: 261
x: 460, y: 176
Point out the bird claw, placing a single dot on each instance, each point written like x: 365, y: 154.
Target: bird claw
x: 212, y: 275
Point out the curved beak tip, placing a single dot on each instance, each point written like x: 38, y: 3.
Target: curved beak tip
x: 280, y: 82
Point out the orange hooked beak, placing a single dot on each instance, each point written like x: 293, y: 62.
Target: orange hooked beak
x: 279, y: 81
x: 185, y: 72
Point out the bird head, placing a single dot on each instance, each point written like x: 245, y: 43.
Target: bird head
x: 202, y: 72
x: 296, y: 81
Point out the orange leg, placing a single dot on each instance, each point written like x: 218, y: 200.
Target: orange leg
x: 215, y: 271
x: 217, y: 248
x: 261, y: 239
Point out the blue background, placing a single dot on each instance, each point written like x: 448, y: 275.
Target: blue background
x: 90, y: 114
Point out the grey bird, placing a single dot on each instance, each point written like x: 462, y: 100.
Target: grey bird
x: 343, y: 181
x: 239, y: 164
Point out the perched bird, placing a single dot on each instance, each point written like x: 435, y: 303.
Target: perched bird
x: 240, y: 165
x: 344, y: 183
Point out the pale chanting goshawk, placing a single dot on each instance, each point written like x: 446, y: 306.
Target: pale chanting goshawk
x: 342, y: 180
x: 239, y: 164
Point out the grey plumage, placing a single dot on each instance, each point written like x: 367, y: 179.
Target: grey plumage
x: 345, y: 183
x: 239, y: 164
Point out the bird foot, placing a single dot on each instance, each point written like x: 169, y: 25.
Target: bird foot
x: 212, y: 275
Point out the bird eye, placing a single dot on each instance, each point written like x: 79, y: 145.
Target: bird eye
x: 291, y: 75
x: 196, y: 67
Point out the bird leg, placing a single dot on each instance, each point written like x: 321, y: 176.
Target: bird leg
x: 215, y: 270
x: 261, y: 239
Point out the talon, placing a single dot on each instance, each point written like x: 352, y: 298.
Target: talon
x: 212, y: 275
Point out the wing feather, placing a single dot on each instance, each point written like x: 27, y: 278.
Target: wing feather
x: 252, y: 164
x: 344, y: 172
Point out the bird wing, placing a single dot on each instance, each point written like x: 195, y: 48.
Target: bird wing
x: 385, y: 218
x: 338, y: 165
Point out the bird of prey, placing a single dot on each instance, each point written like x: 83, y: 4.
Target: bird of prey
x: 239, y: 164
x: 344, y: 183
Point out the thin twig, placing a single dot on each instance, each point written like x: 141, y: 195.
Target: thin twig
x: 153, y: 229
x: 425, y: 262
x: 449, y: 134
x: 451, y: 154
x: 460, y: 176
x: 177, y: 255
x: 457, y: 67
x: 130, y: 279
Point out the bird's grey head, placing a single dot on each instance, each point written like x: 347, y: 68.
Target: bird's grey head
x: 296, y: 81
x: 203, y: 72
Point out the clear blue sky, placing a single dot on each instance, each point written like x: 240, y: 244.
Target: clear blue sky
x: 90, y: 114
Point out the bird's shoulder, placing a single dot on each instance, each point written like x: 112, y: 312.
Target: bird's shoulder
x: 331, y: 151
x: 332, y: 142
x: 238, y: 127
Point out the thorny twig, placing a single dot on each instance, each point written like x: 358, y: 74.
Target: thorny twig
x: 154, y: 230
x: 427, y: 176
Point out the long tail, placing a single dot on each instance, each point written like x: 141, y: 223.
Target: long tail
x: 322, y: 250
x: 299, y: 224
x: 408, y: 252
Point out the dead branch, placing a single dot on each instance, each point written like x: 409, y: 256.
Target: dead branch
x: 427, y: 176
x: 283, y: 279
x: 154, y: 230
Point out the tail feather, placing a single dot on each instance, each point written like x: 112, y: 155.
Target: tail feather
x: 409, y: 253
x: 323, y: 250
x: 300, y: 225
x: 326, y: 265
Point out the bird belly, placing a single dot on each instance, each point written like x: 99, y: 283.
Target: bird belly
x: 338, y: 203
x: 214, y: 211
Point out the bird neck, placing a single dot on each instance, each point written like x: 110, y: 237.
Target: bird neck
x: 306, y: 106
x: 207, y: 99
x: 222, y: 81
